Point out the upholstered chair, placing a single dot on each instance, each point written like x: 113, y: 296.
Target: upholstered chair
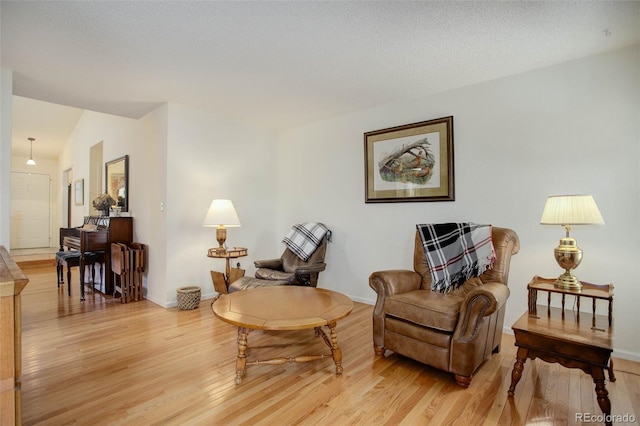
x: 455, y: 331
x: 288, y: 269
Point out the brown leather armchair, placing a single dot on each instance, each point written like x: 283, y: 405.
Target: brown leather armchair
x: 454, y: 332
x: 289, y: 269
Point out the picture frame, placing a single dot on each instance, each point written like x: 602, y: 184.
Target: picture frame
x: 116, y: 181
x: 412, y: 162
x: 78, y: 188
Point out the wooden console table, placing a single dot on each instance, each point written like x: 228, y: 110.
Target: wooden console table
x: 571, y: 338
x: 12, y: 282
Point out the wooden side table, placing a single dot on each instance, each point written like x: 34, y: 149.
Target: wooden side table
x: 221, y: 281
x: 571, y: 338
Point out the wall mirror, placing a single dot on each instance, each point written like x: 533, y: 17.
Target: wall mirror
x: 117, y: 181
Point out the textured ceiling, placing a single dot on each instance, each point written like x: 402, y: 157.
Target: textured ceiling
x: 281, y: 64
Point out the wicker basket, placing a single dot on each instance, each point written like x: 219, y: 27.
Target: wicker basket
x: 188, y: 297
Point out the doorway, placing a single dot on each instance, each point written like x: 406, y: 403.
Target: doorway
x: 95, y: 175
x: 30, y: 210
x: 67, y: 179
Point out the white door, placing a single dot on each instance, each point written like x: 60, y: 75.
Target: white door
x: 30, y: 210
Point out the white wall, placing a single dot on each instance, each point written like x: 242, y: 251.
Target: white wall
x: 216, y: 157
x: 151, y: 182
x: 120, y: 136
x: 6, y: 92
x: 571, y: 128
x: 180, y: 158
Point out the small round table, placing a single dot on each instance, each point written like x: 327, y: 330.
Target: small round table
x: 284, y: 308
x: 223, y: 285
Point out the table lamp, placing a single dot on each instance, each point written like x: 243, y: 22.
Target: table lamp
x: 567, y: 210
x: 221, y: 215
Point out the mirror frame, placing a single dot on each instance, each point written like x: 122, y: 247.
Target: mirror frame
x: 111, y: 164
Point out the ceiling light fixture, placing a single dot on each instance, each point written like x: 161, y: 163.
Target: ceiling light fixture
x: 30, y: 161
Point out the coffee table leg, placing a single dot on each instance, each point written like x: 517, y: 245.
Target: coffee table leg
x: 516, y: 373
x: 335, y: 349
x: 241, y: 361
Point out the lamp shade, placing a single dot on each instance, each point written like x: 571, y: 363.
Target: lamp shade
x: 221, y: 213
x: 571, y: 210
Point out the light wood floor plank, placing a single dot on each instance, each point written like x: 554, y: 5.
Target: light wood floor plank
x: 102, y: 362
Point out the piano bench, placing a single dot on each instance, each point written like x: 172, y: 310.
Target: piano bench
x: 72, y: 258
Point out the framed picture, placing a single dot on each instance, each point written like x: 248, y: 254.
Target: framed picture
x: 78, y: 187
x: 413, y: 162
x: 117, y: 181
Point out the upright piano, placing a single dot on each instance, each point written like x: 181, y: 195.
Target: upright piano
x: 97, y: 234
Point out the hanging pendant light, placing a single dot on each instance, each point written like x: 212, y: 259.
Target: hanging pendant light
x: 31, y: 161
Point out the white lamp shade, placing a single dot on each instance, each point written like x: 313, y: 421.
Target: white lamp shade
x: 571, y: 210
x: 221, y: 213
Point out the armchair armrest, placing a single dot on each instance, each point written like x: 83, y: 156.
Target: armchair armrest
x: 275, y: 264
x: 387, y: 283
x: 480, y: 302
x: 308, y: 274
x: 310, y: 269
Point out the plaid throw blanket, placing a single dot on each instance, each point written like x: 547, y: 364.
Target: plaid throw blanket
x: 304, y: 238
x: 456, y: 252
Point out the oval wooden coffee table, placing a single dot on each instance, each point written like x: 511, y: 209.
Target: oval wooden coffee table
x: 284, y: 308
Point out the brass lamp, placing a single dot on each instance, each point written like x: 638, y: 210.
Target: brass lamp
x: 567, y: 210
x: 221, y: 215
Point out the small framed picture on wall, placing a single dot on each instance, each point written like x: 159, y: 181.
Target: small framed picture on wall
x: 78, y: 187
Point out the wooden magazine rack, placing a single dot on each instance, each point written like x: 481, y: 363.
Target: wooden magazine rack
x: 128, y: 262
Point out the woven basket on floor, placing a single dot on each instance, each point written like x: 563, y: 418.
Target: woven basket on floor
x: 188, y: 297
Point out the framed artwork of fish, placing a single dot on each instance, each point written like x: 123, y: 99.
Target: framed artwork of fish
x: 413, y: 162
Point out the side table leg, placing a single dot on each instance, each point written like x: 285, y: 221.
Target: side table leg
x: 612, y: 376
x: 335, y: 349
x: 241, y: 360
x: 601, y: 391
x: 518, y: 367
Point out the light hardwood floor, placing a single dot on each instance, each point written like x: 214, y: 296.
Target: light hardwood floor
x: 102, y: 362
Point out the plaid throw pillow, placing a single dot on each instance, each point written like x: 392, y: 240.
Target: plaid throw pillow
x: 304, y: 238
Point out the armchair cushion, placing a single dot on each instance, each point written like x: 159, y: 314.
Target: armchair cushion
x: 426, y: 308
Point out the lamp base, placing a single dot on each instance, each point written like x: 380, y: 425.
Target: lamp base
x: 221, y: 236
x: 567, y: 281
x: 568, y: 255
